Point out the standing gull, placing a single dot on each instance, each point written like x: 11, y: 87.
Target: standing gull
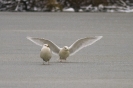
x: 66, y: 51
x: 45, y: 53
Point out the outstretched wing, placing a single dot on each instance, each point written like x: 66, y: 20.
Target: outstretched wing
x: 81, y: 43
x: 41, y: 42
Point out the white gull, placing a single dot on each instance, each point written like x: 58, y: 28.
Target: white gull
x: 66, y: 51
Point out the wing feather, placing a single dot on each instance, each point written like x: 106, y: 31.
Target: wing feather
x: 42, y: 41
x: 81, y: 43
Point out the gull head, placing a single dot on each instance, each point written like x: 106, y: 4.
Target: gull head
x: 66, y: 48
x: 46, y: 45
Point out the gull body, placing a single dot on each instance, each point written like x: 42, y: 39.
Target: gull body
x: 45, y: 53
x: 66, y: 51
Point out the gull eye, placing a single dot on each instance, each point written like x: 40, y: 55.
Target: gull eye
x: 65, y: 48
x: 46, y: 45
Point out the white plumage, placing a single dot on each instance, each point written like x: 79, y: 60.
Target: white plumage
x: 66, y: 51
x: 45, y: 53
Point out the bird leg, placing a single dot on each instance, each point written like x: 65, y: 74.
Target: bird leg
x: 48, y: 62
x: 43, y: 63
x: 60, y: 60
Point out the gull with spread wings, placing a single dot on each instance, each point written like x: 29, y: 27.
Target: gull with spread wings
x: 66, y: 51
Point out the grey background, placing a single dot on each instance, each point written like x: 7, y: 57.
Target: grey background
x: 106, y: 64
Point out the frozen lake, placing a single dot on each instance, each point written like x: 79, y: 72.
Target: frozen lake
x: 106, y: 64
